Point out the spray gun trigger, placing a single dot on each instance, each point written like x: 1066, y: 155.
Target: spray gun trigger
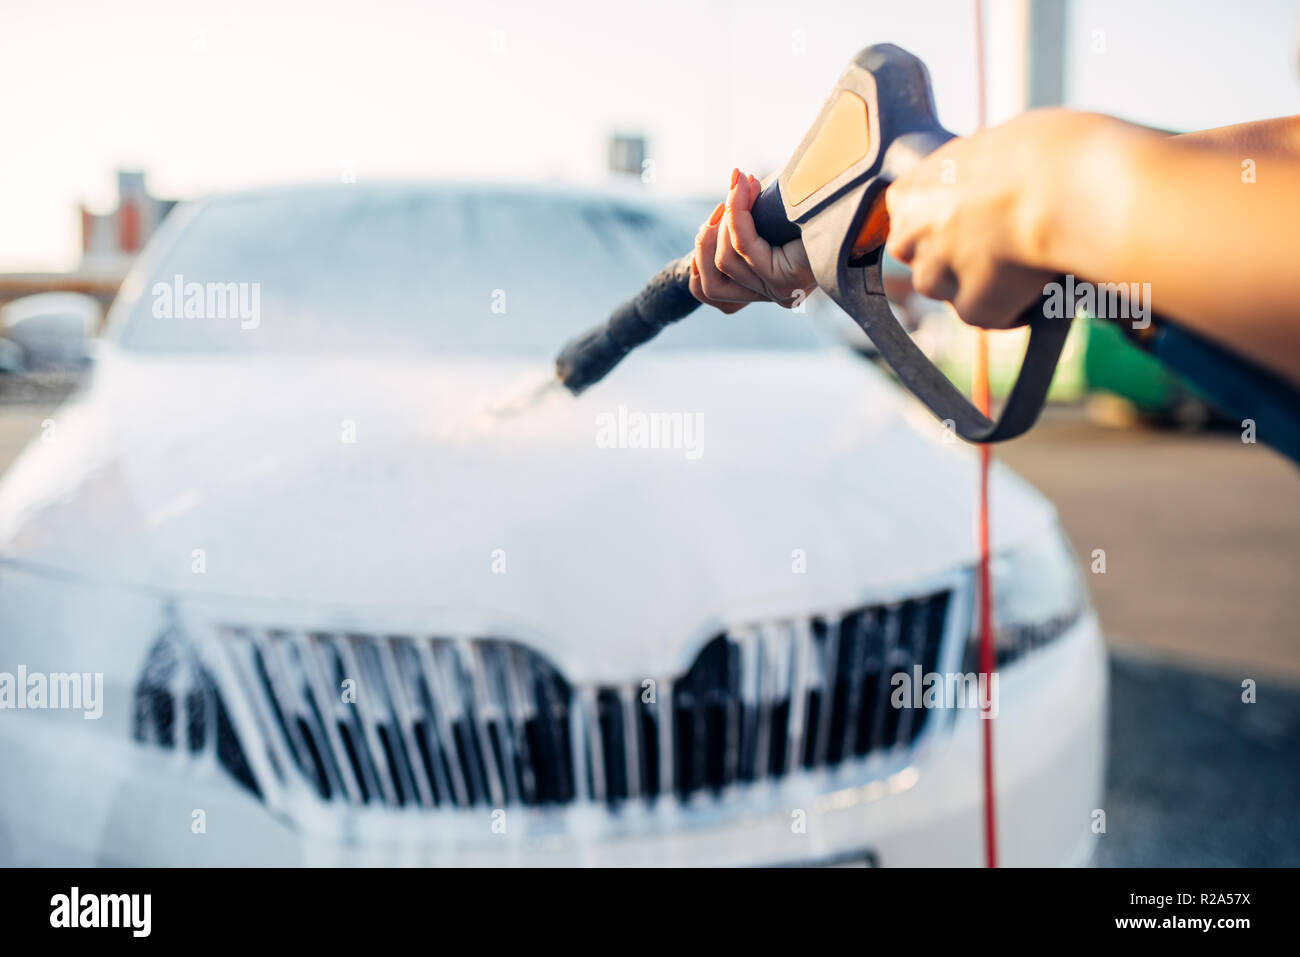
x: 874, y: 231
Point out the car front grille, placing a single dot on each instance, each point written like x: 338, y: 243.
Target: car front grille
x: 403, y: 721
x: 431, y: 722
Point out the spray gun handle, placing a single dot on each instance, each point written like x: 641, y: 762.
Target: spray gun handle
x: 877, y: 125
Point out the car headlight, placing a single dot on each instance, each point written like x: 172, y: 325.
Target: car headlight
x: 177, y: 706
x: 1038, y: 595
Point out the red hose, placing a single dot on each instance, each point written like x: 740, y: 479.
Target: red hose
x: 986, y: 637
x: 980, y: 395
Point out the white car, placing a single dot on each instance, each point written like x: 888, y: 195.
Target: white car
x: 285, y: 584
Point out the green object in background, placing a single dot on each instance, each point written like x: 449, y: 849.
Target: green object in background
x: 1113, y: 363
x: 1097, y: 355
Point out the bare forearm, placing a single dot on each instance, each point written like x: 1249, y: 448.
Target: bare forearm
x: 1217, y: 238
x: 1275, y: 137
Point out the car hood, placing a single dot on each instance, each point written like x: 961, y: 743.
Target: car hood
x: 356, y: 487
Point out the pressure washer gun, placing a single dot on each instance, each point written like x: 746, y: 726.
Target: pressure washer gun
x: 878, y: 123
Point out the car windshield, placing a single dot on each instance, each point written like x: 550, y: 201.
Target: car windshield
x: 433, y: 269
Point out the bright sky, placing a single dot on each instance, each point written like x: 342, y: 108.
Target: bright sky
x: 206, y: 98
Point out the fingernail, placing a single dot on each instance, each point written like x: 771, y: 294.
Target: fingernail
x: 735, y: 175
x: 717, y: 215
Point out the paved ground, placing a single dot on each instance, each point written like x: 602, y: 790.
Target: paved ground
x: 1201, y: 535
x: 1202, y: 541
x: 1197, y: 777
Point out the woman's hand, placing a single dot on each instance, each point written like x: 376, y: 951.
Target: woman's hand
x: 733, y: 266
x: 977, y: 219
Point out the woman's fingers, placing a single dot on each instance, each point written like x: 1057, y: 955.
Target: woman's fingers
x: 729, y: 260
x: 733, y: 265
x: 709, y: 284
x: 697, y: 290
x: 985, y: 290
x: 782, y: 272
x: 933, y: 278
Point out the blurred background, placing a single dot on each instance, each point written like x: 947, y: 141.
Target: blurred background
x: 114, y: 112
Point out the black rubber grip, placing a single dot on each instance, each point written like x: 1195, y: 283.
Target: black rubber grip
x: 770, y: 221
x: 665, y: 299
